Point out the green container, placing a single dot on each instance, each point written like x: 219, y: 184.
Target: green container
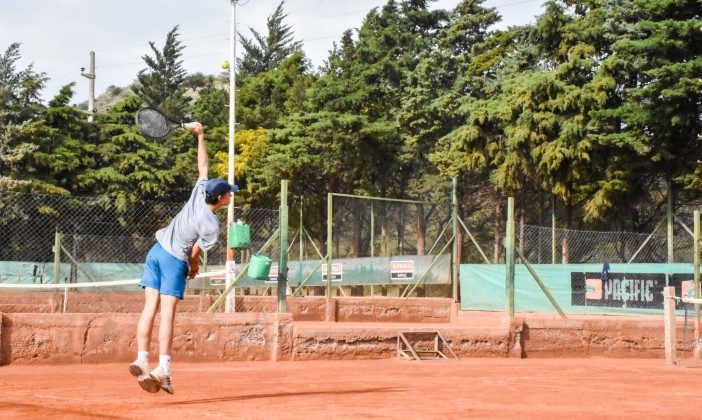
x: 259, y: 267
x: 239, y: 236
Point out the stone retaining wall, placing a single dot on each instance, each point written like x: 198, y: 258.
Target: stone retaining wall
x: 309, y: 308
x: 28, y: 338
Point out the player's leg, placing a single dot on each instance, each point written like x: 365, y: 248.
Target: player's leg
x: 151, y: 282
x: 146, y: 320
x: 165, y: 332
x: 172, y: 290
x: 162, y: 374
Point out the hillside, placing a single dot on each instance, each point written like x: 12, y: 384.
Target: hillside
x: 114, y: 94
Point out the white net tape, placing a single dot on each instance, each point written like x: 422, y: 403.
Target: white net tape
x: 63, y: 286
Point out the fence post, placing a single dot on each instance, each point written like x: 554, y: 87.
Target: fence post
x: 454, y: 253
x: 670, y: 324
x: 302, y: 234
x: 372, y: 233
x: 509, y: 258
x: 283, y: 258
x: 57, y: 257
x: 696, y: 247
x: 670, y: 221
x: 329, y: 246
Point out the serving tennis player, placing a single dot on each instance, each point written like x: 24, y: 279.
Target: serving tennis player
x: 174, y: 257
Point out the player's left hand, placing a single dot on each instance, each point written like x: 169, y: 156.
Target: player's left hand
x: 192, y: 272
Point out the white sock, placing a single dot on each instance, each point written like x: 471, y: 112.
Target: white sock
x: 143, y: 355
x: 164, y: 361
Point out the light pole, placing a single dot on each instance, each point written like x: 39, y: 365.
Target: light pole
x: 231, y: 297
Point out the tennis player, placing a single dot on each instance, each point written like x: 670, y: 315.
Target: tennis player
x: 175, y: 257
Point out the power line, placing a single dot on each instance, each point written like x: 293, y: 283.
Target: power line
x: 64, y: 75
x: 515, y: 3
x: 141, y: 62
x: 321, y: 37
x: 350, y: 12
x: 69, y: 61
x: 142, y: 45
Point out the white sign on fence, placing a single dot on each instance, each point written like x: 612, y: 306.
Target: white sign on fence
x: 273, y: 274
x: 402, y: 270
x: 337, y: 272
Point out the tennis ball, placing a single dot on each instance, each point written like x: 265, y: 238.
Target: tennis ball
x: 225, y: 64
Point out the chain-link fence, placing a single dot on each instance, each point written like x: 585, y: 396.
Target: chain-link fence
x: 389, y: 246
x: 94, y: 232
x: 582, y: 246
x: 591, y: 272
x: 365, y: 227
x: 373, y: 241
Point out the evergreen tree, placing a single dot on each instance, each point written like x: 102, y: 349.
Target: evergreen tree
x: 263, y: 100
x: 267, y: 52
x: 212, y: 106
x: 655, y: 75
x: 162, y: 84
x: 22, y: 130
x: 130, y: 168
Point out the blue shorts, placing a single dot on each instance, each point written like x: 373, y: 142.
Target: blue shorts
x: 164, y: 272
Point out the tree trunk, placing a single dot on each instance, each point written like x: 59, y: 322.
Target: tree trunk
x: 499, y: 231
x: 400, y: 238
x: 356, y: 244
x: 421, y: 230
x: 384, y: 232
x: 565, y: 245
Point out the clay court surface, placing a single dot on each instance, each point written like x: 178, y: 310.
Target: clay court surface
x: 391, y: 388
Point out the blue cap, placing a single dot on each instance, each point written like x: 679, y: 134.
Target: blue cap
x: 217, y: 186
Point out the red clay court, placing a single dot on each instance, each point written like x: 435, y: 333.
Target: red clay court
x: 390, y: 388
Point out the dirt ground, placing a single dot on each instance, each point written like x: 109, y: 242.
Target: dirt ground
x: 486, y: 388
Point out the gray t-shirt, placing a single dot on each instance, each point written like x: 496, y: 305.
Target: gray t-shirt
x: 195, y: 223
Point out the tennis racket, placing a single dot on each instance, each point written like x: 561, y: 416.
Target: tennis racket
x: 154, y: 124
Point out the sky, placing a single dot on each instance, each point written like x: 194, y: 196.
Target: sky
x: 57, y: 36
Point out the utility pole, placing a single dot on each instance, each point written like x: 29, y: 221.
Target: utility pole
x: 91, y: 85
x: 229, y: 304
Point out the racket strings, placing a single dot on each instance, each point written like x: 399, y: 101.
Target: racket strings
x: 152, y: 123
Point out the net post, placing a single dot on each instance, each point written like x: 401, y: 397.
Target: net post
x: 670, y: 325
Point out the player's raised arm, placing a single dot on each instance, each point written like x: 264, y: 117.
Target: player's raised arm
x: 202, y: 158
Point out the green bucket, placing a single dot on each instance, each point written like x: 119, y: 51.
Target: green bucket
x: 239, y: 235
x: 259, y: 267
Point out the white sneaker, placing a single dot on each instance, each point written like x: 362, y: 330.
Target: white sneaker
x: 141, y: 369
x: 162, y: 379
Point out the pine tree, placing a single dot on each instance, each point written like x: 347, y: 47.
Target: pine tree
x: 22, y: 130
x: 161, y: 84
x: 265, y: 99
x: 267, y: 52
